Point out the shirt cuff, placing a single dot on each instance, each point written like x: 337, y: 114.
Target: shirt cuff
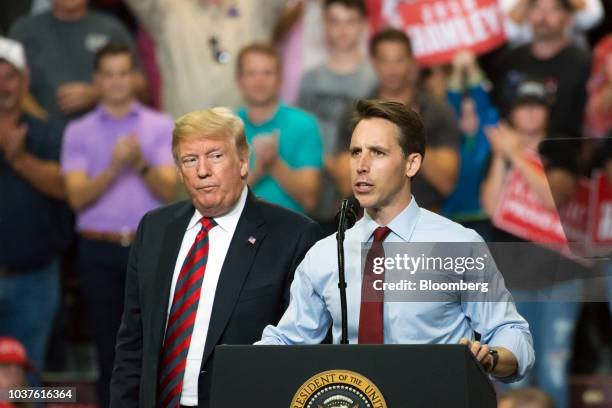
x: 518, y: 343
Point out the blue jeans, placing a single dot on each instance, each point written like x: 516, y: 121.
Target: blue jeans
x: 552, y: 322
x: 29, y: 301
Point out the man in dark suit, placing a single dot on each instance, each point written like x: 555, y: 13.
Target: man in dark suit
x: 215, y: 270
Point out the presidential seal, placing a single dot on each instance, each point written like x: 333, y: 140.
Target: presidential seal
x: 338, y: 389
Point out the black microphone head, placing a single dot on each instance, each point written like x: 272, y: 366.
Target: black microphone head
x: 353, y: 209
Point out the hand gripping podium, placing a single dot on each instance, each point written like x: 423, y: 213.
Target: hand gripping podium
x: 351, y: 376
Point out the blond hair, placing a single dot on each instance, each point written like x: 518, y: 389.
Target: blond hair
x: 217, y: 123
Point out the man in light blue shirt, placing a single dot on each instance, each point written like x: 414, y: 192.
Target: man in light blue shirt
x: 387, y: 149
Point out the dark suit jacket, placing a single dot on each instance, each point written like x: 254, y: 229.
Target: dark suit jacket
x: 252, y: 292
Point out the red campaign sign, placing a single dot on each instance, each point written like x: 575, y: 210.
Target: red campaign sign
x: 521, y: 212
x: 440, y: 28
x: 576, y: 214
x: 584, y: 223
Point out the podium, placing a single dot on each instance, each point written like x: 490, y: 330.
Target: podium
x: 355, y: 376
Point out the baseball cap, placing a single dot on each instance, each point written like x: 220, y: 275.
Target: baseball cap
x: 12, y: 52
x: 531, y: 93
x: 13, y: 352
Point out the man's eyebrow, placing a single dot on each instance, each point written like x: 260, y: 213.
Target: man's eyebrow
x: 206, y: 152
x: 213, y: 149
x: 377, y: 147
x: 370, y: 147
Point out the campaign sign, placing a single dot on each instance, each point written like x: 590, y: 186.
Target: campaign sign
x: 440, y: 28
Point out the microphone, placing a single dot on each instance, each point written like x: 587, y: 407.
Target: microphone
x: 347, y: 214
x: 345, y: 219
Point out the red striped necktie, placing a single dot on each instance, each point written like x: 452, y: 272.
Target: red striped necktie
x: 182, y: 318
x: 371, y: 319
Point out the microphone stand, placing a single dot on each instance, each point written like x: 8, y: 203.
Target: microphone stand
x: 342, y: 226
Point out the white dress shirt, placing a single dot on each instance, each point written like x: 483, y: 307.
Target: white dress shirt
x: 219, y: 238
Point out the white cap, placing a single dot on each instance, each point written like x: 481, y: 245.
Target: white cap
x: 12, y: 52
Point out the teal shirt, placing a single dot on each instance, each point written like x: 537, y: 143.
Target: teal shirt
x: 299, y: 145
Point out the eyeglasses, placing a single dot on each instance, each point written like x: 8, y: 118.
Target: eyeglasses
x: 222, y: 57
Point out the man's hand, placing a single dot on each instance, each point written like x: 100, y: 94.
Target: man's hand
x: 480, y: 351
x: 124, y: 152
x: 76, y: 96
x: 137, y: 160
x: 504, y: 141
x: 464, y: 60
x: 265, y: 149
x: 12, y: 142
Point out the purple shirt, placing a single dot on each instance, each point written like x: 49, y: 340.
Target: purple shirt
x: 88, y: 146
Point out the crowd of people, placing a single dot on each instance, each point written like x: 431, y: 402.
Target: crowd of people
x: 90, y: 90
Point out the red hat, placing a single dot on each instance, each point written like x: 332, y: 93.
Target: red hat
x: 13, y: 352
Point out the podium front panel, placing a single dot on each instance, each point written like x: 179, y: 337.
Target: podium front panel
x: 407, y: 376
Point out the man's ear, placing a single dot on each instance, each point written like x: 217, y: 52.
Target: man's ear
x: 244, y: 164
x: 413, y: 164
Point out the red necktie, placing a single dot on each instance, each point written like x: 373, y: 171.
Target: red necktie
x: 182, y: 318
x: 371, y: 319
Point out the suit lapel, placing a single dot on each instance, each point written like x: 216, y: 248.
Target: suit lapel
x: 171, y: 244
x: 238, y: 262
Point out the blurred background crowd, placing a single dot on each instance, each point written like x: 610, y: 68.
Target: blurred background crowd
x: 515, y: 95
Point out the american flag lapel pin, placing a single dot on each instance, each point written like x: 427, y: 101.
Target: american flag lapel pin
x: 252, y: 240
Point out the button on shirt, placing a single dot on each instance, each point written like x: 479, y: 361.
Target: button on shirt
x: 88, y: 146
x: 315, y: 299
x: 219, y: 239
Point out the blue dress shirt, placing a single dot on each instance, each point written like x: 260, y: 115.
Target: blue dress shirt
x: 315, y: 298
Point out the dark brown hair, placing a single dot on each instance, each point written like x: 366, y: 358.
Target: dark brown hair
x: 564, y: 4
x: 358, y: 5
x: 390, y: 35
x: 112, y: 49
x: 411, y: 133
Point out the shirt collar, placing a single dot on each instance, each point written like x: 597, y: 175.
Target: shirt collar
x: 135, y: 110
x: 227, y: 221
x: 402, y: 225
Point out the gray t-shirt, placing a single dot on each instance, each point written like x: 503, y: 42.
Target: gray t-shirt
x: 59, y: 52
x: 327, y: 95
